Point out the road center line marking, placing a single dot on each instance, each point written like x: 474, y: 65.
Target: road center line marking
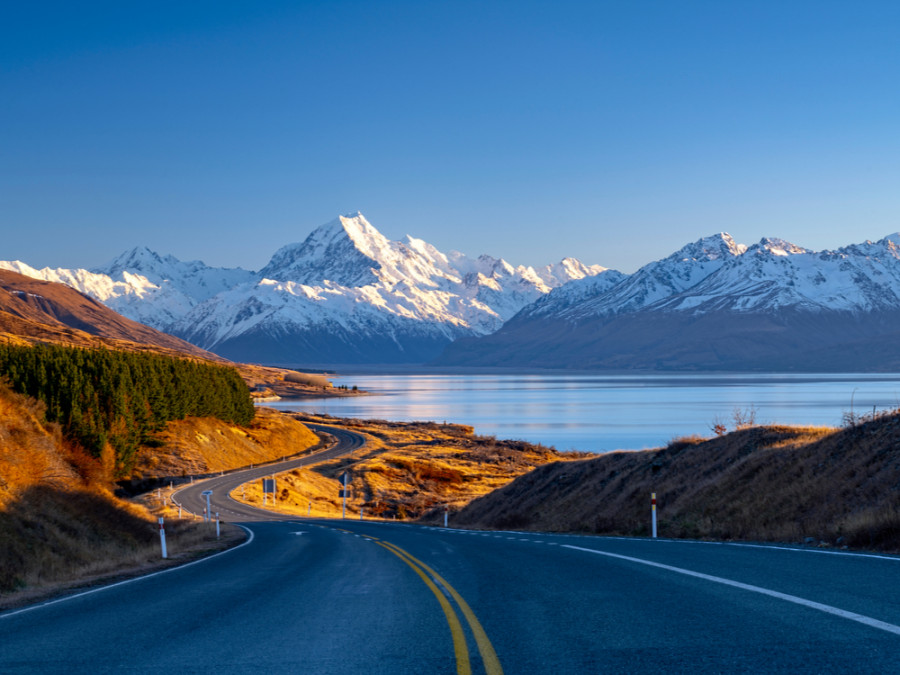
x: 485, y: 648
x: 460, y: 649
x: 828, y: 609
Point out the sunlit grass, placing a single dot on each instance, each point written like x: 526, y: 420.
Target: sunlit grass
x: 405, y: 471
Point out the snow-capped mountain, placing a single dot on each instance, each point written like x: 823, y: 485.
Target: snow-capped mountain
x: 143, y: 286
x: 346, y: 294
x: 775, y: 274
x: 715, y: 304
x: 613, y: 293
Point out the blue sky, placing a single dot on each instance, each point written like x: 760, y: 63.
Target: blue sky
x: 614, y: 132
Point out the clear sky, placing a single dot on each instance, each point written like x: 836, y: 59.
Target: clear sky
x: 611, y: 131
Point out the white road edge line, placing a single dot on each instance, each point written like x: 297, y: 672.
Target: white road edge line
x: 133, y: 579
x: 828, y: 609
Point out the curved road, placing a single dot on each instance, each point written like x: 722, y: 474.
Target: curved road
x: 191, y: 497
x: 345, y: 597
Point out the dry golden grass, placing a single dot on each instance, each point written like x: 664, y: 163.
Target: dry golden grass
x: 196, y: 446
x: 405, y: 470
x: 60, y: 526
x: 774, y: 483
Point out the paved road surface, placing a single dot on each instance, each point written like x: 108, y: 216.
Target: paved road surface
x: 191, y: 497
x: 337, y: 597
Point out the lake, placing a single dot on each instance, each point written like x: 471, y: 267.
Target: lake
x: 598, y: 413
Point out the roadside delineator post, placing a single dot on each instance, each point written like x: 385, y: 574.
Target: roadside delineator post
x: 309, y: 510
x: 653, y: 511
x: 217, y: 525
x: 162, y: 537
x: 446, y: 512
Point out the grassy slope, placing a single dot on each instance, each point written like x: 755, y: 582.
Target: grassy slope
x: 59, y: 522
x: 201, y: 445
x: 406, y: 470
x: 840, y: 487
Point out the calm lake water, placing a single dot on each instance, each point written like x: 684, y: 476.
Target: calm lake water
x: 607, y: 412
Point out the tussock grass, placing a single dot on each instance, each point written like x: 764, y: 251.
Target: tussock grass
x: 405, y: 471
x: 195, y: 446
x: 772, y: 483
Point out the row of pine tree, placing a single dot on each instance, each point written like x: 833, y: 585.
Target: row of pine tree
x: 102, y: 397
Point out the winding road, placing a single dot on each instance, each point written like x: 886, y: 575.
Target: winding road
x: 347, y: 596
x: 191, y: 497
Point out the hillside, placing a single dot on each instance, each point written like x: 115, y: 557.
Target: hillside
x: 838, y: 487
x: 405, y: 470
x: 59, y: 522
x: 32, y: 310
x: 201, y: 445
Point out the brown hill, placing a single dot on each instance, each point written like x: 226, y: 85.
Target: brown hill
x: 59, y: 523
x: 200, y: 445
x: 838, y: 487
x: 32, y: 310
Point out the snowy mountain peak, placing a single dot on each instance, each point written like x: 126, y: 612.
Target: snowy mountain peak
x: 893, y: 238
x: 716, y: 247
x: 138, y: 259
x: 778, y: 247
x: 343, y: 251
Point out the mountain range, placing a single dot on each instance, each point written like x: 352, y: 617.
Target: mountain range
x: 346, y: 294
x: 715, y: 305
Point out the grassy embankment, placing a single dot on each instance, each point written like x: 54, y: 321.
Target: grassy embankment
x: 404, y: 471
x: 772, y: 483
x: 60, y: 523
x: 197, y: 446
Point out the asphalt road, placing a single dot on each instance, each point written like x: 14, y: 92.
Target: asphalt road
x: 192, y: 499
x: 332, y: 596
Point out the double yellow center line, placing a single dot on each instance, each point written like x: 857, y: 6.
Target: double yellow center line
x: 460, y: 648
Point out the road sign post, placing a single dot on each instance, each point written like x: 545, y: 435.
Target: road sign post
x: 344, y: 494
x: 653, y: 512
x: 207, y: 514
x: 268, y: 488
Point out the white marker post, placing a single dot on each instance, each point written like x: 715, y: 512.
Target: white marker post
x: 653, y: 511
x: 162, y: 537
x: 218, y: 531
x: 344, y: 495
x: 309, y: 510
x: 446, y: 513
x: 361, y: 509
